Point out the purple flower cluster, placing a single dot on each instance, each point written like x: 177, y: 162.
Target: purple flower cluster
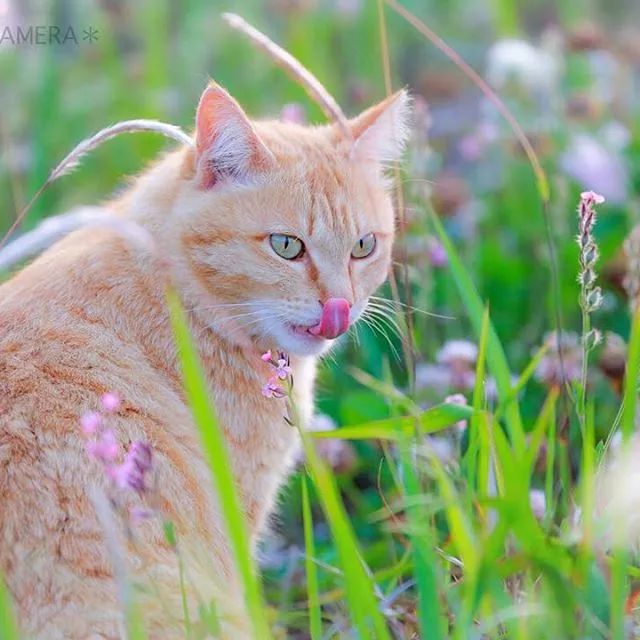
x: 281, y: 372
x: 104, y: 448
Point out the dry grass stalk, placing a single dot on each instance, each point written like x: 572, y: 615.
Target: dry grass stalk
x: 53, y: 229
x: 299, y: 73
x: 72, y: 159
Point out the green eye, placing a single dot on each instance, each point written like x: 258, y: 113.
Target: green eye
x: 364, y: 247
x: 287, y: 247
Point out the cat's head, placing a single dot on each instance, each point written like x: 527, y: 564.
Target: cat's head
x: 287, y: 230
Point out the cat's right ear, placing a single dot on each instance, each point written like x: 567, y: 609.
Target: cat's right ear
x: 227, y: 146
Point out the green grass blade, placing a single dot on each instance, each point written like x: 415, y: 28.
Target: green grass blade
x: 549, y: 473
x: 522, y: 380
x: 313, y: 595
x: 359, y: 587
x: 496, y: 358
x: 431, y: 618
x: 619, y: 583
x: 435, y: 419
x: 540, y: 428
x: 478, y: 404
x: 8, y: 625
x: 216, y: 454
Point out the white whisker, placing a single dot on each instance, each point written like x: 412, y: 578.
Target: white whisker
x: 396, y: 303
x: 376, y: 326
x: 388, y: 321
x: 222, y: 305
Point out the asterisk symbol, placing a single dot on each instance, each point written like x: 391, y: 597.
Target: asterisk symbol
x: 90, y: 34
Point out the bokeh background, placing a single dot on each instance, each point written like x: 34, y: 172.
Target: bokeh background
x: 570, y: 72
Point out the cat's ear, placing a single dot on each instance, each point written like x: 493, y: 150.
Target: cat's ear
x: 380, y: 132
x: 227, y: 146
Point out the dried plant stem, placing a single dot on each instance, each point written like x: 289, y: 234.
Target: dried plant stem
x: 439, y: 43
x: 72, y: 159
x: 407, y: 340
x: 584, y: 374
x: 541, y: 178
x: 296, y: 70
x: 54, y: 228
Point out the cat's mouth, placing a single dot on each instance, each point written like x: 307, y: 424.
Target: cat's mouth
x: 333, y: 322
x: 305, y: 331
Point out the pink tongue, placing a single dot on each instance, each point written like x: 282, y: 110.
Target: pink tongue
x: 335, y: 319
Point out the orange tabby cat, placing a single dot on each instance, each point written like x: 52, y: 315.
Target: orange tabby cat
x: 275, y: 235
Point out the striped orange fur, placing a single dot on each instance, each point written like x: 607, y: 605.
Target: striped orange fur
x: 89, y: 317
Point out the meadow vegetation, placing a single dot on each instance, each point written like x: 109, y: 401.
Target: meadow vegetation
x: 472, y: 470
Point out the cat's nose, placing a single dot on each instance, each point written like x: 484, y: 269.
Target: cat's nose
x: 334, y: 320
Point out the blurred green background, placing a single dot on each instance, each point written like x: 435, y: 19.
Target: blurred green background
x: 569, y: 70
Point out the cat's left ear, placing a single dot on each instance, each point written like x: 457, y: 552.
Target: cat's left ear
x: 380, y: 132
x: 227, y: 146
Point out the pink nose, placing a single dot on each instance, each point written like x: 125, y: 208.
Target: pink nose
x: 335, y: 319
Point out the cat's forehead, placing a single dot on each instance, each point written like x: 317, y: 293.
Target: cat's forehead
x: 327, y: 199
x: 289, y: 139
x: 317, y: 157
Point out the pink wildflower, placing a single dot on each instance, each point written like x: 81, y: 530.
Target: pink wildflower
x: 105, y: 449
x: 273, y: 390
x: 132, y: 472
x: 437, y: 254
x: 590, y: 294
x: 110, y: 402
x: 90, y: 422
x: 591, y: 197
x: 283, y: 370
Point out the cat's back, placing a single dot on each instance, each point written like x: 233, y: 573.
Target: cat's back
x: 45, y: 329
x: 80, y: 321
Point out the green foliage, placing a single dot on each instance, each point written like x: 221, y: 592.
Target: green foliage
x: 216, y: 454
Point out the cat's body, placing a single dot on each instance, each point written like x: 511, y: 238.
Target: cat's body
x: 89, y: 317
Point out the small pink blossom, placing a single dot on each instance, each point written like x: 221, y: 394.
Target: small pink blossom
x: 131, y: 474
x: 592, y: 196
x: 273, y: 390
x: 437, y: 254
x: 283, y: 370
x: 110, y: 402
x: 471, y: 147
x: 90, y: 422
x: 105, y: 449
